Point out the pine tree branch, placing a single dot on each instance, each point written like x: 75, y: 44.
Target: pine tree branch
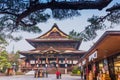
x: 115, y: 7
x: 78, y: 5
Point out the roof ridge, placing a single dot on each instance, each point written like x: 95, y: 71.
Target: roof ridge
x: 53, y: 31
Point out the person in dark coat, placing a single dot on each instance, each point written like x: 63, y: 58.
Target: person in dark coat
x: 46, y: 74
x: 60, y: 75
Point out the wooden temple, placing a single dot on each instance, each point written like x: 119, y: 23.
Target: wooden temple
x: 52, y: 49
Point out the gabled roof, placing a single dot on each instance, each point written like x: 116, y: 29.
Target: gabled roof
x: 51, y: 50
x: 54, y: 32
x: 33, y: 51
x: 54, y: 35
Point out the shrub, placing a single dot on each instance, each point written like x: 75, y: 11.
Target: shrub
x: 19, y: 73
x: 76, y: 71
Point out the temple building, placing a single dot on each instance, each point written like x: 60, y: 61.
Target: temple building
x: 52, y: 49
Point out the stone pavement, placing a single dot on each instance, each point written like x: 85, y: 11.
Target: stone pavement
x: 31, y: 77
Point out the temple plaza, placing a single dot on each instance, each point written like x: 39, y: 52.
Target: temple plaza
x: 50, y: 77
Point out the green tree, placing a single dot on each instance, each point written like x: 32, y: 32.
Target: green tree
x: 76, y: 70
x: 14, y: 59
x: 4, y: 62
x: 75, y: 35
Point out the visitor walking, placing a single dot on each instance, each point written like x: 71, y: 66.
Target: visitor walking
x: 46, y: 74
x: 60, y: 75
x: 57, y: 74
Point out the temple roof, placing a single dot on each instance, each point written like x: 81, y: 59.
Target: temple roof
x: 54, y: 32
x: 49, y: 42
x: 53, y: 35
x: 51, y: 50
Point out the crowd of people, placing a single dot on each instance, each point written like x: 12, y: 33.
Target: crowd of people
x: 41, y: 73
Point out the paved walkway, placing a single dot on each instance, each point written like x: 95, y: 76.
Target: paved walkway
x: 50, y: 77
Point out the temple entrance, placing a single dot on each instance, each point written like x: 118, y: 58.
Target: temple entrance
x: 53, y: 64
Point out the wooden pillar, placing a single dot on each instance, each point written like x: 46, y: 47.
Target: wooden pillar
x: 57, y: 62
x: 35, y: 65
x: 72, y: 62
x: 40, y: 61
x: 37, y: 62
x: 46, y: 59
x: 29, y: 65
x: 25, y: 64
x: 66, y: 65
x: 65, y: 60
x: 46, y: 62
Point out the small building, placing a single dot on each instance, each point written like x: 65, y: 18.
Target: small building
x: 103, y: 59
x: 52, y: 49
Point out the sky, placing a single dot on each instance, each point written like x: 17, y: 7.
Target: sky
x: 77, y: 23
